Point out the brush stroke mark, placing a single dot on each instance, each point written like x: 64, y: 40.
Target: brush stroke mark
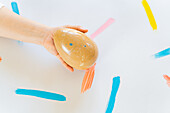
x: 41, y: 94
x: 162, y: 53
x: 0, y: 59
x: 149, y: 14
x: 115, y: 87
x: 167, y: 78
x: 102, y: 28
x: 15, y: 9
x: 88, y: 79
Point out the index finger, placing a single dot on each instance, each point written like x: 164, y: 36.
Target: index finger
x: 79, y: 28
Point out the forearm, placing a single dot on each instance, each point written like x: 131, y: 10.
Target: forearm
x: 16, y: 27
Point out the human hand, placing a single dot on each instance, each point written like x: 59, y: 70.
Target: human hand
x: 48, y: 43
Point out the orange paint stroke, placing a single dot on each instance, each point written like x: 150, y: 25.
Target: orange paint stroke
x: 88, y: 79
x: 167, y: 78
x: 149, y: 14
x: 0, y: 59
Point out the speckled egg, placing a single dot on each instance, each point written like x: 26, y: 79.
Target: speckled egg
x: 76, y: 49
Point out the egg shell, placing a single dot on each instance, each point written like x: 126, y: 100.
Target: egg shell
x: 76, y: 49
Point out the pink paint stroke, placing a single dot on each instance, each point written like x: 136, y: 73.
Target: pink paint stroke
x: 102, y: 28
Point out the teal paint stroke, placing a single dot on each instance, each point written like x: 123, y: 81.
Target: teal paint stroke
x: 15, y: 9
x: 115, y: 87
x: 41, y: 94
x: 162, y: 53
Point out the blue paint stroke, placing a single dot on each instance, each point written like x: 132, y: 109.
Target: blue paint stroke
x: 71, y: 44
x: 41, y: 94
x: 15, y: 9
x: 115, y: 87
x: 162, y: 53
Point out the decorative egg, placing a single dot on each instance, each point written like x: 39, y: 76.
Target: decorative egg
x: 76, y: 49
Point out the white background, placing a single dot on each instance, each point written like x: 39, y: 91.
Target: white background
x: 125, y: 49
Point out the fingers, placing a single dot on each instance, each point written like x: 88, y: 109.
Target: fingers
x: 61, y: 60
x: 79, y: 28
x: 65, y: 64
x: 50, y: 46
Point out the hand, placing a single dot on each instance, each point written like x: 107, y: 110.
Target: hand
x: 48, y: 43
x: 167, y: 78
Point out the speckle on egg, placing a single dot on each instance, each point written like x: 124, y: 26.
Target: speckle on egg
x: 71, y: 44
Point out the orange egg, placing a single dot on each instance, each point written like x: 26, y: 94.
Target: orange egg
x: 76, y: 49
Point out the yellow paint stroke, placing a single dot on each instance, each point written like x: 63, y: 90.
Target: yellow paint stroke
x: 149, y: 14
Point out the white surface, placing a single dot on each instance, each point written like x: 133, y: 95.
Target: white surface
x: 125, y: 49
x: 1, y: 5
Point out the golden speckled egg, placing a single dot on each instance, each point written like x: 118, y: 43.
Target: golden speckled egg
x: 76, y: 49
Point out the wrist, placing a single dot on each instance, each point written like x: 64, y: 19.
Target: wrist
x: 41, y: 35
